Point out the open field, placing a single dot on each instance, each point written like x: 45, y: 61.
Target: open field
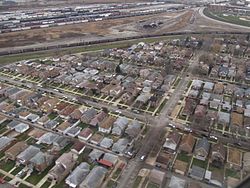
x: 93, y: 30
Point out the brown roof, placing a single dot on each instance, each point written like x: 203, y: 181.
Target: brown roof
x: 17, y: 148
x: 164, y: 158
x: 237, y: 119
x: 108, y: 122
x: 175, y: 137
x: 68, y: 110
x: 97, y: 138
x: 187, y: 143
x: 63, y: 126
x: 36, y: 133
x: 218, y: 88
x: 78, y: 146
x: 85, y: 132
x: 219, y: 148
x: 61, y: 106
x: 24, y: 113
x: 76, y: 114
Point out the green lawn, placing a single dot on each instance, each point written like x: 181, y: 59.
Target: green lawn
x: 83, y: 157
x: 2, y: 130
x: 137, y: 182
x: 52, y: 115
x: 232, y: 173
x: 35, y: 177
x: 46, y: 184
x: 202, y: 164
x: 22, y: 137
x: 82, y: 125
x: 23, y: 186
x: 31, y: 141
x: 152, y: 185
x: 111, y: 184
x: 66, y: 148
x: 7, y: 178
x: 183, y: 157
x: 17, y: 169
x: 7, y: 166
x: 116, y: 173
x: 162, y: 105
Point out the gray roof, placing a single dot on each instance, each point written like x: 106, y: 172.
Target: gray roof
x: 208, y: 85
x: 61, y: 141
x: 4, y: 141
x: 22, y: 127
x: 95, y: 154
x: 119, y: 125
x: 79, y: 174
x: 197, y: 172
x: 106, y: 142
x: 95, y: 178
x: 51, y: 124
x: 32, y: 117
x: 28, y: 153
x: 202, y: 143
x: 73, y: 130
x: 177, y: 182
x: 41, y: 158
x: 13, y: 124
x: 110, y: 157
x: 223, y: 117
x: 120, y: 146
x: 47, y: 138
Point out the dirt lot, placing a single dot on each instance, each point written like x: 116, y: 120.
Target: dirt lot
x: 118, y: 27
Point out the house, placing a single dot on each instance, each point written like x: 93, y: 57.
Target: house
x: 239, y: 93
x: 51, y: 124
x: 14, y: 150
x: 78, y: 147
x: 208, y: 86
x: 197, y: 172
x: 61, y: 142
x: 5, y: 141
x: 47, y: 138
x: 88, y: 115
x: 180, y: 167
x: 33, y: 117
x: 236, y: 119
x: 106, y: 125
x: 43, y: 120
x: 21, y: 128
x: 163, y: 160
x: 95, y: 178
x: 223, y: 118
x: 189, y: 107
x: 96, y: 121
x: 63, y: 127
x: 111, y: 158
x: 218, y: 154
x: 200, y: 112
x: 197, y: 84
x: 64, y: 164
x: 76, y: 114
x: 176, y: 182
x: 120, y: 146
x: 41, y: 161
x: 201, y: 149
x: 78, y: 175
x: 234, y: 158
x: 218, y: 88
x: 172, y: 141
x: 12, y: 124
x: 27, y: 154
x: 119, y: 126
x: 96, y: 138
x: 214, y: 177
x: 133, y: 129
x: 95, y: 155
x: 106, y: 143
x: 187, y: 143
x: 66, y: 112
x: 156, y: 176
x: 72, y: 131
x: 85, y: 134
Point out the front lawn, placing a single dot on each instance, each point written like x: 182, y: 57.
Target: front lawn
x: 183, y: 157
x: 137, y: 182
x: 202, y: 164
x: 7, y: 166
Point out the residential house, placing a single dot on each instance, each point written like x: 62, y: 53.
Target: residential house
x: 190, y: 105
x: 218, y: 88
x: 48, y: 138
x: 41, y: 161
x: 177, y: 182
x: 27, y: 154
x: 72, y: 131
x: 95, y: 178
x: 78, y: 147
x: 200, y: 112
x: 172, y: 141
x: 133, y: 129
x: 88, y: 115
x: 96, y: 138
x: 14, y: 150
x: 106, y: 143
x: 197, y: 84
x: 201, y: 150
x: 85, y: 134
x: 163, y: 160
x: 63, y: 126
x: 223, y: 118
x: 218, y: 155
x: 5, y: 141
x: 156, y: 176
x: 21, y: 127
x: 111, y: 158
x: 120, y: 146
x: 96, y: 121
x: 246, y: 162
x: 187, y: 143
x: 95, y: 155
x: 78, y: 175
x: 197, y: 172
x: 180, y: 167
x: 236, y: 119
x: 119, y: 126
x: 106, y: 125
x: 64, y: 164
x: 208, y: 86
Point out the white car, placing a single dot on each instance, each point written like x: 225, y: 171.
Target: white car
x: 143, y: 157
x: 171, y: 125
x: 213, y: 137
